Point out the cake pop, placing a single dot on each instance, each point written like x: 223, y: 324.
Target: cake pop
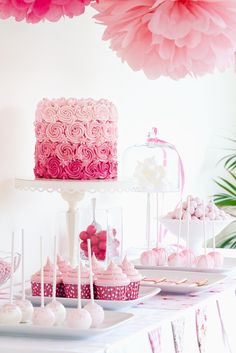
x: 57, y: 307
x: 189, y: 256
x: 217, y: 257
x: 43, y: 316
x: 148, y: 258
x: 95, y: 310
x: 79, y: 318
x: 177, y: 259
x: 10, y: 313
x: 25, y: 305
x: 161, y: 253
x: 204, y: 261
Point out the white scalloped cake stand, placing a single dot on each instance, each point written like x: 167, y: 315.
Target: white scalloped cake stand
x: 72, y: 191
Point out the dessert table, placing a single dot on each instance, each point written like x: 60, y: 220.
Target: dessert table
x: 200, y: 322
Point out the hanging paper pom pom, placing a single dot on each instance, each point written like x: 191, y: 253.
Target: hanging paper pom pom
x: 34, y: 11
x: 171, y: 37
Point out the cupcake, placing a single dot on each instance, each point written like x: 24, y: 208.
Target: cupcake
x: 48, y: 281
x: 64, y: 267
x: 111, y: 284
x: 134, y: 276
x: 97, y: 268
x: 71, y: 282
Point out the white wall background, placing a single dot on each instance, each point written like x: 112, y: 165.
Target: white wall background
x: 69, y: 59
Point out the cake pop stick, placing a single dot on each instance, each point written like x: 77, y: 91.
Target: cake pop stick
x: 43, y: 316
x: 10, y: 313
x: 148, y: 226
x: 24, y: 304
x: 189, y: 256
x: 95, y: 310
x: 57, y: 307
x: 180, y: 224
x: 157, y: 215
x: 217, y: 257
x: 161, y: 254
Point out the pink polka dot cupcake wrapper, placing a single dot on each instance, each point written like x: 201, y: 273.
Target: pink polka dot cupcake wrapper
x: 71, y: 291
x: 132, y: 290
x: 36, y: 289
x: 110, y: 292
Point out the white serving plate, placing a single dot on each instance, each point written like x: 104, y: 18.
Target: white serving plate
x: 111, y: 321
x: 144, y: 294
x: 228, y: 266
x: 183, y: 288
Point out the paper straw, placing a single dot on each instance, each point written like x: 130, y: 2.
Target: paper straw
x: 23, y: 263
x: 180, y: 224
x: 148, y: 221
x: 90, y: 271
x: 41, y: 272
x: 157, y: 215
x: 12, y: 266
x: 204, y: 225
x: 54, y: 285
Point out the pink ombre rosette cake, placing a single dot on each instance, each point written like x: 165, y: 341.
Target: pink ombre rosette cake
x: 76, y: 139
x: 111, y: 284
x: 48, y: 280
x: 71, y: 283
x: 134, y: 276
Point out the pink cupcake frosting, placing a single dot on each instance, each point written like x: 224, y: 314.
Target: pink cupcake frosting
x: 71, y: 277
x: 96, y: 266
x: 112, y: 276
x: 48, y: 274
x: 63, y: 265
x: 131, y: 272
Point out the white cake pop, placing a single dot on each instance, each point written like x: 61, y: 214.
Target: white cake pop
x: 43, y: 316
x: 79, y: 318
x: 25, y: 305
x: 57, y: 307
x: 95, y: 310
x: 148, y: 258
x: 10, y: 313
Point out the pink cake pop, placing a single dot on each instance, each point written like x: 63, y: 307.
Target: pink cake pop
x: 57, y: 307
x: 161, y: 253
x: 43, y: 316
x: 189, y: 256
x: 217, y: 257
x: 148, y: 258
x: 95, y: 310
x: 25, y: 305
x: 178, y: 259
x: 204, y: 261
x: 10, y: 313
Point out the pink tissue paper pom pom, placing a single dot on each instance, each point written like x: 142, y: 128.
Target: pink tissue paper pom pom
x: 171, y: 37
x: 34, y: 11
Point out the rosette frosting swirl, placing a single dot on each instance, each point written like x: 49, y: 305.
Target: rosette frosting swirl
x: 112, y: 276
x: 131, y: 272
x: 47, y: 273
x: 71, y: 277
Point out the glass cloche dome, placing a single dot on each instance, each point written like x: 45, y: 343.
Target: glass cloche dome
x: 154, y: 166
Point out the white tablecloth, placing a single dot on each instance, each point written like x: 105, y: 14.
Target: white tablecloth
x: 195, y: 323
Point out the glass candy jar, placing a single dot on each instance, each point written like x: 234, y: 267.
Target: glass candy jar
x: 103, y: 227
x: 154, y: 166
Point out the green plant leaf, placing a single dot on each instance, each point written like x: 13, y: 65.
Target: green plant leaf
x: 232, y: 186
x: 225, y: 187
x: 229, y: 242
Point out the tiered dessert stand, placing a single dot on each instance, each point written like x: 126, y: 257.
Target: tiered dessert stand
x: 72, y: 192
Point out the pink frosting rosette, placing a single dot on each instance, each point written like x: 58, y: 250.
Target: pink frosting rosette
x: 48, y: 274
x: 55, y: 132
x: 39, y: 170
x: 74, y: 170
x: 75, y: 132
x: 44, y: 150
x: 93, y: 130
x: 66, y: 114
x: 102, y: 110
x: 103, y: 151
x: 54, y: 169
x: 85, y: 153
x: 112, y: 276
x: 103, y: 170
x: 84, y: 110
x: 40, y: 129
x: 131, y: 272
x: 65, y: 152
x: 91, y: 171
x: 109, y: 130
x: 47, y: 111
x: 71, y: 276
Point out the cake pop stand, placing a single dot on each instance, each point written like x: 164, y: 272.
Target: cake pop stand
x: 73, y: 191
